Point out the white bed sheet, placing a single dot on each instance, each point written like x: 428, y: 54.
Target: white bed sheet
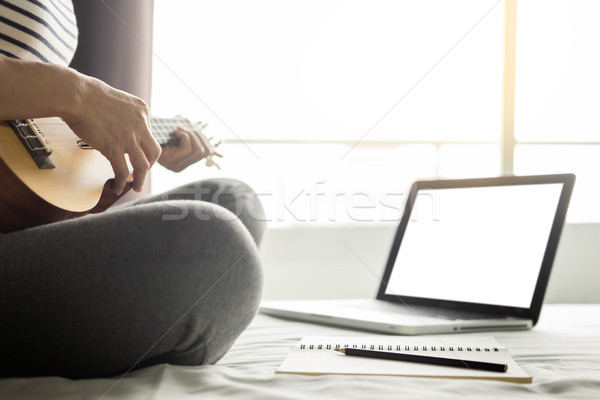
x: 562, y: 354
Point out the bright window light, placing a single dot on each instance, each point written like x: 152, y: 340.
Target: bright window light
x: 557, y: 102
x: 329, y: 109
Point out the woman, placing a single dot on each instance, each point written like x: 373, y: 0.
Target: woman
x: 173, y: 278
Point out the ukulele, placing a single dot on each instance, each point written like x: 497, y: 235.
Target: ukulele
x: 48, y: 174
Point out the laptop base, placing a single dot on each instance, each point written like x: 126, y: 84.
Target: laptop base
x: 356, y: 314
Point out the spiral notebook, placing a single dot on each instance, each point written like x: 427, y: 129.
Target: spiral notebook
x: 316, y: 355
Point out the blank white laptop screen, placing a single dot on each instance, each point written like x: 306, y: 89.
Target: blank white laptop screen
x: 480, y: 245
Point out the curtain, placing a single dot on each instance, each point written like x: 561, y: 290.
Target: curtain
x: 115, y: 43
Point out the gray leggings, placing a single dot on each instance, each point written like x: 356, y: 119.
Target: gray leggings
x: 170, y: 279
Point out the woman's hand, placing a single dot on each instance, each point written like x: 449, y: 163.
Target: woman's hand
x: 193, y: 147
x: 115, y: 123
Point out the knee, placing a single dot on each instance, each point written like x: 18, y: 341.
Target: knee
x: 241, y: 200
x: 216, y: 246
x: 223, y: 286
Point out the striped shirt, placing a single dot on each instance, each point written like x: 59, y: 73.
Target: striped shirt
x: 38, y: 30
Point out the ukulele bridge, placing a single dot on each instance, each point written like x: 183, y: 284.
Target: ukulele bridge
x: 33, y: 140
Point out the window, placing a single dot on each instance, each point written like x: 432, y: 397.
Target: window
x: 557, y: 103
x: 329, y: 109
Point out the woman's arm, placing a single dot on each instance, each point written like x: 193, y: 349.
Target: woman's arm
x: 112, y: 121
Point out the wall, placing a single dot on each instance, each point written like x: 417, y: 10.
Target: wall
x: 337, y: 262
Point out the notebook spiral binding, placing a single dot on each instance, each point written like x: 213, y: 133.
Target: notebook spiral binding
x: 396, y: 347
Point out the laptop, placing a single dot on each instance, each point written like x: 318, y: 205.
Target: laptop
x: 468, y: 255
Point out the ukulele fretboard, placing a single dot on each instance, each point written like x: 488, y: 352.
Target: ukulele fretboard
x: 162, y: 128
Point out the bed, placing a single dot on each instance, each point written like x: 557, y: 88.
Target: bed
x: 562, y: 353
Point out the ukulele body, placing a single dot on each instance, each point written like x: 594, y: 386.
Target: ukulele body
x: 30, y: 195
x: 48, y: 174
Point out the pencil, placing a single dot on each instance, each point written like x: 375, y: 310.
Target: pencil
x: 451, y: 362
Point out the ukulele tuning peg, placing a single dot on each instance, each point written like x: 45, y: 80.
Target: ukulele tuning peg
x: 211, y: 163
